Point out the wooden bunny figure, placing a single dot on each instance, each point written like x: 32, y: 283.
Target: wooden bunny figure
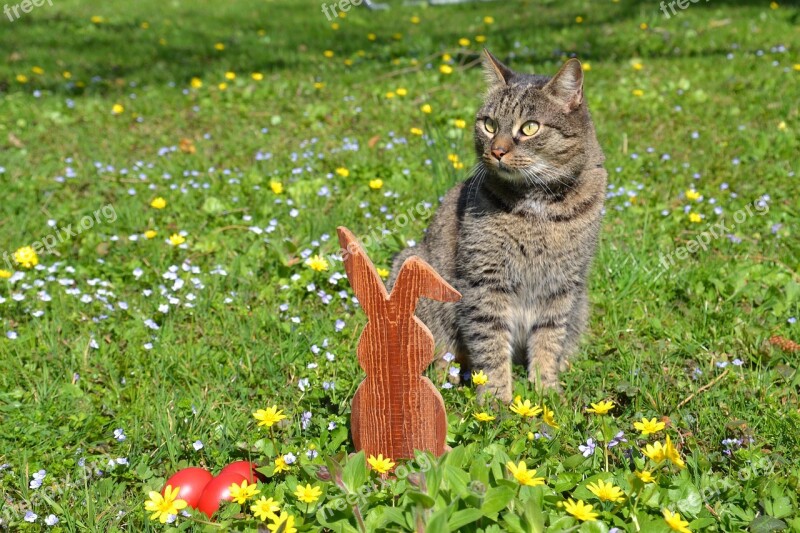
x: 395, y: 410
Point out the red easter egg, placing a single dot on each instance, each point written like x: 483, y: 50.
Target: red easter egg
x: 192, y: 482
x: 217, y: 491
x: 246, y: 468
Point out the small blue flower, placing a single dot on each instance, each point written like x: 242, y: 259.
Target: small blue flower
x: 588, y: 448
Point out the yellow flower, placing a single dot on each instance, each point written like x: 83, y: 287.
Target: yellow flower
x: 5, y: 274
x: 317, y: 263
x: 401, y: 91
x: 371, y: 36
x: 691, y: 194
x: 222, y: 86
x: 446, y: 69
x: 643, y: 26
x: 383, y: 272
x: 242, y: 493
x: 328, y: 53
x: 655, y: 452
x: 479, y: 378
x: 416, y: 131
x: 67, y: 74
x: 586, y: 66
x: 196, y: 83
x: 97, y: 19
x: 601, y: 408
x: 446, y: 58
x: 637, y: 92
x: 415, y: 20
x: 782, y: 125
x: 269, y: 416
x: 164, y: 506
x: 796, y: 66
x: 257, y: 76
x: 318, y: 85
x: 219, y: 46
x: 452, y: 157
x: 671, y: 453
x: 458, y: 165
x: 26, y: 256
x: 530, y: 435
x: 646, y: 476
x: 523, y: 475
x: 230, y: 75
x: 284, y: 523
x: 380, y: 464
x: 343, y: 172
x: 675, y: 522
x: 488, y: 20
x: 483, y: 417
x: 607, y: 492
x: 37, y: 70
x: 150, y: 234
x: 480, y: 38
x: 117, y: 109
x: 637, y: 65
x: 264, y: 508
x: 580, y: 510
x: 280, y: 465
x: 308, y: 494
x: 22, y: 78
x: 390, y: 95
x: 176, y: 239
x: 773, y: 5
x: 144, y: 25
x: 548, y: 417
x: 463, y: 42
x: 276, y: 186
x: 158, y: 203
x: 334, y: 26
x: 525, y: 409
x: 397, y: 36
x: 695, y: 217
x: 648, y: 427
x: 375, y: 184
x: 579, y: 19
x: 348, y: 62
x: 460, y: 123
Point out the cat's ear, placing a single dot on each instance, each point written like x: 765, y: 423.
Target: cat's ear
x: 495, y: 72
x: 567, y: 86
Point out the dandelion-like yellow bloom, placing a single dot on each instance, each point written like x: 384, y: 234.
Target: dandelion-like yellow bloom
x: 222, y: 86
x: 390, y: 95
x: 483, y: 417
x: 37, y: 70
x: 671, y: 453
x: 463, y: 42
x: 488, y: 20
x: 371, y: 36
x: 176, y: 239
x: 646, y: 476
x: 637, y: 92
x: 158, y: 203
x: 691, y: 194
x: 480, y: 38
x: 581, y: 511
x: 380, y: 464
x: 97, y: 19
x: 317, y: 263
x: 276, y: 186
x: 117, y: 109
x: 383, y: 272
x: 150, y: 234
x: 328, y: 53
x: 67, y: 75
x: 401, y: 91
x: 22, y: 78
x: 416, y: 131
x: 525, y: 409
x: 343, y: 172
x: 460, y: 123
x: 26, y: 256
x: 648, y: 427
x: 655, y: 452
x: 280, y: 465
x: 308, y: 494
x: 796, y: 67
x: 774, y: 5
x: 196, y: 83
x: 445, y: 69
x: 458, y: 165
x: 264, y: 508
x: 375, y: 184
x: 257, y: 76
x: 319, y: 85
x: 479, y: 378
x: 695, y: 217
x: 219, y: 46
x: 601, y: 408
x: 643, y: 26
x: 269, y: 416
x: 166, y: 505
x: 241, y: 493
x: 548, y: 416
x: 637, y: 66
x: 523, y: 475
x: 607, y: 492
x: 579, y: 19
x: 675, y: 522
x: 5, y: 274
x: 230, y: 76
x: 586, y: 66
x: 415, y: 20
x: 284, y: 522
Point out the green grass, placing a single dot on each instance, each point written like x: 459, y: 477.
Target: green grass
x: 718, y: 108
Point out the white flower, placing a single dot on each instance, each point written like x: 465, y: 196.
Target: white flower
x: 51, y: 520
x: 197, y: 445
x: 30, y: 516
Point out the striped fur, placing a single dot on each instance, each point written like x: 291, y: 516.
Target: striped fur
x: 517, y: 238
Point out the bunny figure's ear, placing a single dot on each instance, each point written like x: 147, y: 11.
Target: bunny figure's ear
x: 361, y: 273
x: 418, y: 276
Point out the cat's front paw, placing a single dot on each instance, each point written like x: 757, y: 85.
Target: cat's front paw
x: 494, y: 394
x: 549, y: 383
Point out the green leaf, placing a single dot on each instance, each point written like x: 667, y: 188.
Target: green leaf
x: 437, y: 523
x: 766, y: 524
x: 686, y: 497
x: 496, y: 499
x: 423, y: 499
x: 464, y: 517
x: 355, y: 472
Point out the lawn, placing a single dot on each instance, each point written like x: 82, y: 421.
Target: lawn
x: 149, y: 332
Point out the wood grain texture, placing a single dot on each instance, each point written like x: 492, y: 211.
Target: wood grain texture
x: 395, y: 410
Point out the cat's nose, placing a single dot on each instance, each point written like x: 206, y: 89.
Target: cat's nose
x: 499, y: 152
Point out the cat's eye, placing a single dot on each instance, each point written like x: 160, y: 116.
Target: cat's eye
x: 529, y: 128
x: 490, y: 125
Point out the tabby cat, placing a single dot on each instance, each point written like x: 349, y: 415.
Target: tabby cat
x: 517, y: 238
